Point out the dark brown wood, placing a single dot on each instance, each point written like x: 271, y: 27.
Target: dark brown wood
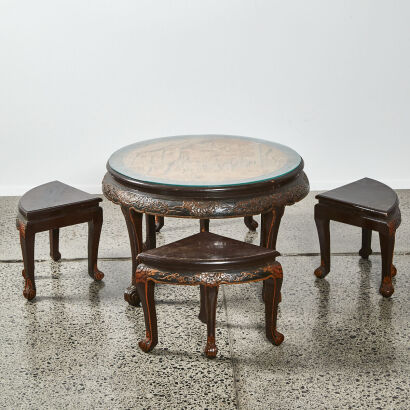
x: 211, y: 296
x: 272, y: 295
x: 270, y: 223
x: 207, y: 260
x: 250, y: 223
x: 323, y: 230
x: 220, y: 204
x: 150, y: 229
x: 146, y: 294
x: 366, y: 249
x: 54, y: 235
x: 206, y: 251
x: 159, y: 223
x: 204, y: 225
x: 133, y: 221
x: 49, y: 207
x: 202, y: 311
x: 387, y: 249
x: 368, y: 204
x: 94, y: 233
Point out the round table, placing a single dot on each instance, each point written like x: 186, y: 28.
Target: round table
x: 204, y: 177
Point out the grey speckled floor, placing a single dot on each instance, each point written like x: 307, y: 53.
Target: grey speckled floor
x: 75, y: 346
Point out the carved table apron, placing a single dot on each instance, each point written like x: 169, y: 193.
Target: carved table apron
x: 267, y: 197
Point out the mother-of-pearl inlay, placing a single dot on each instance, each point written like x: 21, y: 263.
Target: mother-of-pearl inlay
x: 204, y: 160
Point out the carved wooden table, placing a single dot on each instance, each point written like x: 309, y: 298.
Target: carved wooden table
x: 203, y: 177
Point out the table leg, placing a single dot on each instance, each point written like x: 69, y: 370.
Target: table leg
x: 270, y: 222
x: 250, y: 223
x: 133, y: 219
x: 150, y: 228
x: 159, y: 223
x: 204, y: 225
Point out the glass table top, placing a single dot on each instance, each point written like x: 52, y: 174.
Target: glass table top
x: 204, y: 160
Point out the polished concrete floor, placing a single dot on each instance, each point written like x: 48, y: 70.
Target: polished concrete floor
x: 75, y: 345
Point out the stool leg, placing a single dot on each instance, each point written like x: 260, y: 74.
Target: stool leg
x: 94, y: 232
x: 366, y: 249
x: 146, y: 293
x: 204, y: 225
x: 159, y: 223
x: 133, y: 219
x: 387, y: 249
x: 27, y: 249
x: 54, y: 235
x: 323, y: 231
x: 272, y: 295
x: 250, y: 223
x: 211, y: 296
x: 202, y: 311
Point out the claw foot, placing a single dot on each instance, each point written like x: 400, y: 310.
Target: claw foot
x: 147, y: 344
x: 29, y: 291
x: 320, y: 272
x: 386, y: 289
x: 250, y: 223
x: 210, y: 349
x: 131, y: 296
x: 276, y: 338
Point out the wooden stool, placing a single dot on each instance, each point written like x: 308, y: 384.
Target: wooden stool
x: 208, y: 260
x: 50, y: 207
x: 372, y: 206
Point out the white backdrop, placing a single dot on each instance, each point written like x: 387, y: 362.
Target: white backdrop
x: 79, y: 79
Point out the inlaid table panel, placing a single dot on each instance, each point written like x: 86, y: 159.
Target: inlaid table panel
x: 204, y: 160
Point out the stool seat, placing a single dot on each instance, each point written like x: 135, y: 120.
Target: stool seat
x: 208, y: 260
x: 207, y: 251
x: 53, y: 197
x: 366, y: 203
x: 366, y: 195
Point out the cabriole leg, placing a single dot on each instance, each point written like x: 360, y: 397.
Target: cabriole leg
x: 387, y: 249
x: 27, y: 249
x: 211, y: 296
x: 323, y: 230
x: 146, y: 293
x: 366, y: 249
x: 133, y: 220
x: 54, y: 235
x: 272, y: 294
x: 94, y: 233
